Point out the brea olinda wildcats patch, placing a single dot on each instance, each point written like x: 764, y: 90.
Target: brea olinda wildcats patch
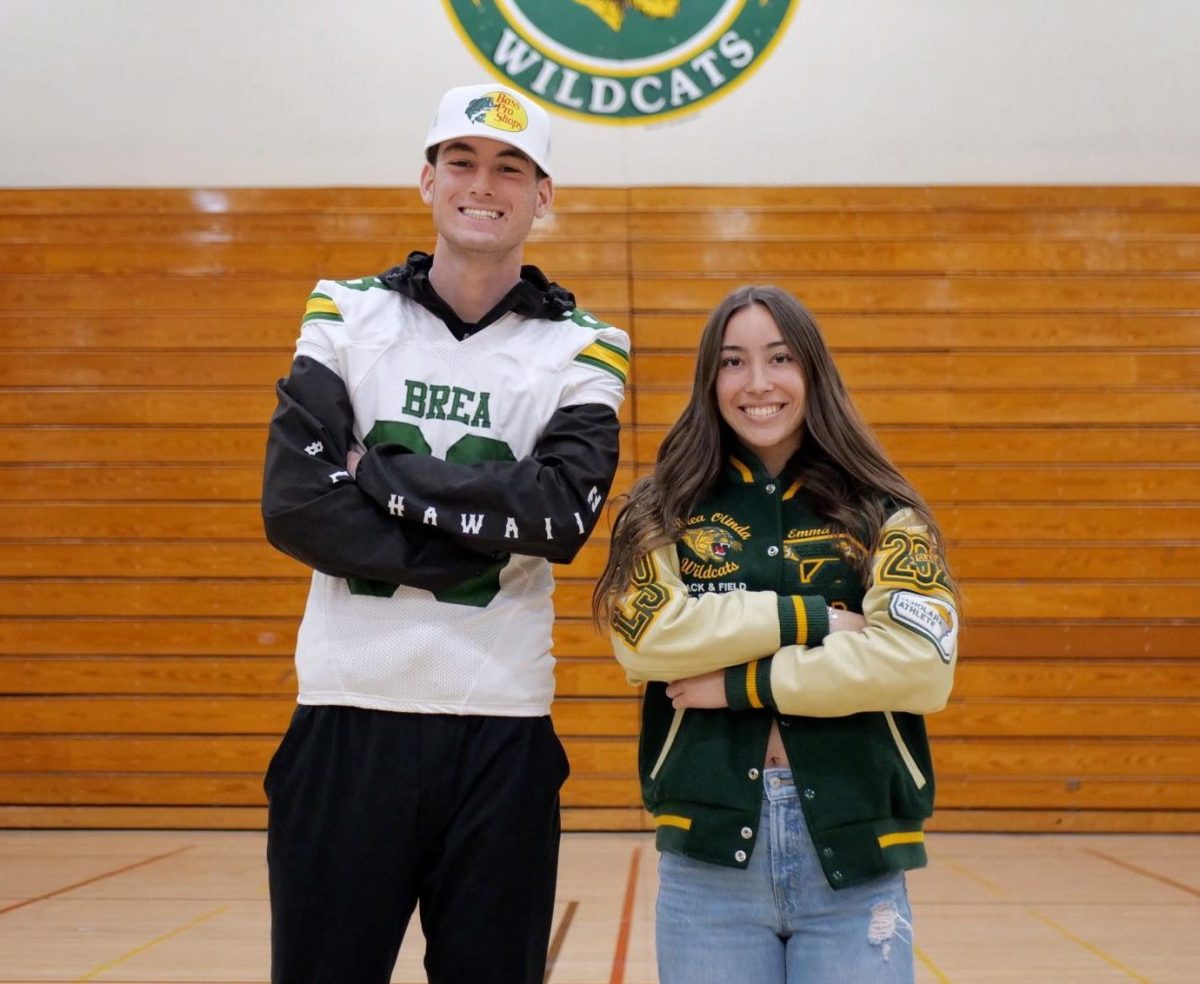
x: 621, y: 61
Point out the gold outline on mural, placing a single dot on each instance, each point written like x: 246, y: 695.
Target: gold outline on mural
x: 552, y: 106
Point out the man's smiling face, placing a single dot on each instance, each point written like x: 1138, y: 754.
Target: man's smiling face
x: 484, y: 195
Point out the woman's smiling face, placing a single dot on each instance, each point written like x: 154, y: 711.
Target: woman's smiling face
x: 760, y: 387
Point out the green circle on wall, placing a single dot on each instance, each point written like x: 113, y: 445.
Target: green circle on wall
x: 621, y: 61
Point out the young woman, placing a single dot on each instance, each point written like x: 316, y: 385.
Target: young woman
x: 779, y: 587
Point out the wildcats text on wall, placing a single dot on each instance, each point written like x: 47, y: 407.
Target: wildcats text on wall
x: 621, y: 61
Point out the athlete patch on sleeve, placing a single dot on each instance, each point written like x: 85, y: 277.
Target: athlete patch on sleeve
x: 933, y: 618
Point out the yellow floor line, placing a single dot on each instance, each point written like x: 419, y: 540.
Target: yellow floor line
x: 1113, y: 961
x: 933, y: 968
x: 97, y: 971
x: 968, y: 873
x: 995, y: 890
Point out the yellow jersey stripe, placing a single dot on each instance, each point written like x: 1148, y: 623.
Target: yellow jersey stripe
x: 793, y: 489
x: 670, y: 820
x: 587, y: 360
x: 752, y: 684
x: 325, y: 305
x: 891, y: 840
x: 747, y: 475
x: 612, y: 357
x: 616, y: 349
x: 321, y: 308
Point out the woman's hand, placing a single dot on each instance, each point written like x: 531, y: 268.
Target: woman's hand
x: 841, y: 620
x: 707, y: 691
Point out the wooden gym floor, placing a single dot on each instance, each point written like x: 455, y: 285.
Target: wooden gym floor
x: 192, y: 907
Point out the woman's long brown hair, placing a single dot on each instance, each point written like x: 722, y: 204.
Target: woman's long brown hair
x: 845, y: 470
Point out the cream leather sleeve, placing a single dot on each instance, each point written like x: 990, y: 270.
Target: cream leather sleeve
x: 661, y: 632
x: 903, y: 660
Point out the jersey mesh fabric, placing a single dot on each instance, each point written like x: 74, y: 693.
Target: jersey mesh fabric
x: 413, y: 653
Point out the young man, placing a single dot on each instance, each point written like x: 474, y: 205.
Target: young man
x: 448, y: 428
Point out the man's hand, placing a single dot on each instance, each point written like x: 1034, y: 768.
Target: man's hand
x: 707, y: 691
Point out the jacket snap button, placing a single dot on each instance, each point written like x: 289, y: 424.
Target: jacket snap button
x: 810, y: 794
x: 836, y: 876
x: 828, y: 852
x: 770, y: 488
x: 753, y: 773
x: 740, y: 856
x: 747, y: 833
x: 772, y: 551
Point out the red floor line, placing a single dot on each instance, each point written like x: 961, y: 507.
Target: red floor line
x: 559, y: 936
x: 93, y: 879
x: 1142, y: 871
x: 622, y: 950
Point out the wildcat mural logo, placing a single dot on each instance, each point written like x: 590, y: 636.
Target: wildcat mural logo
x: 622, y: 61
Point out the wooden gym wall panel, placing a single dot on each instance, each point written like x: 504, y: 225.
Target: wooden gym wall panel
x: 1028, y: 355
x: 145, y: 626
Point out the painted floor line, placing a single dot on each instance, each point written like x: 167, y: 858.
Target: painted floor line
x: 1129, y: 866
x: 966, y: 872
x: 94, y: 879
x: 1112, y: 961
x: 556, y: 943
x: 97, y: 971
x: 620, y: 955
x: 1095, y: 950
x: 931, y: 966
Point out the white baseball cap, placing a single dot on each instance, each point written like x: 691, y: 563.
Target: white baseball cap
x: 496, y: 112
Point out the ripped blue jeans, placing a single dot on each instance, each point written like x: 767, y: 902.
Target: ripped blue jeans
x: 778, y: 921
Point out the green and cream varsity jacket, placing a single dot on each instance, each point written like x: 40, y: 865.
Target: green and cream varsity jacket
x: 746, y: 590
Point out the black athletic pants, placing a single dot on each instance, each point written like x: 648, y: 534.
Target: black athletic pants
x: 374, y: 812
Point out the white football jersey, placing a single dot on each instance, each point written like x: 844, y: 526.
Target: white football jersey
x: 485, y: 650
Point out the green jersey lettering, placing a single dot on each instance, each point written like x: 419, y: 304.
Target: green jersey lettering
x: 362, y: 283
x: 437, y: 401
x: 481, y: 418
x: 456, y: 407
x: 414, y: 398
x: 438, y: 395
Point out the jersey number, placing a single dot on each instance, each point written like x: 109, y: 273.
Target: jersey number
x: 481, y: 589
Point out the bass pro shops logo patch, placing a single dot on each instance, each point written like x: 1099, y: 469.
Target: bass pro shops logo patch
x: 622, y: 61
x: 498, y: 110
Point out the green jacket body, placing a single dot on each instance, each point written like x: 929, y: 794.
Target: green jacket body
x: 746, y: 589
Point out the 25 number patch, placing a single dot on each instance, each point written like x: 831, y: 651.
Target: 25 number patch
x: 908, y: 559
